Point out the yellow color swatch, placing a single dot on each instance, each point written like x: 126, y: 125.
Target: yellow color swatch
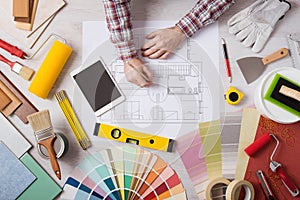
x: 211, y: 144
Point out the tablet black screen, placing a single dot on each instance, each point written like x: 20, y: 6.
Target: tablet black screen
x: 97, y: 86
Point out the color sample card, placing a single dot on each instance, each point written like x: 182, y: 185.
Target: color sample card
x: 123, y: 173
x: 230, y: 134
x: 249, y: 123
x: 43, y: 187
x: 192, y: 155
x: 211, y: 143
x: 14, y: 176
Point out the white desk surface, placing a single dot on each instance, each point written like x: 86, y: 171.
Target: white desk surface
x: 68, y: 23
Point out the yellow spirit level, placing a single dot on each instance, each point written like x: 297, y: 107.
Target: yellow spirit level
x: 134, y: 137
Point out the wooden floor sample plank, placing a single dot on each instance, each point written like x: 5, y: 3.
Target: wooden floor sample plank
x: 27, y: 107
x: 4, y: 100
x: 15, y: 101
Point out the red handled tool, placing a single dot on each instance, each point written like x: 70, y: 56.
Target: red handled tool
x: 274, y: 166
x: 12, y: 49
x: 21, y: 70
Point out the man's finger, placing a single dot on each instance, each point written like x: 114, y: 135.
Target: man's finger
x: 165, y: 55
x: 150, y: 51
x: 140, y: 81
x: 151, y: 35
x: 157, y: 54
x: 148, y: 74
x: 148, y: 45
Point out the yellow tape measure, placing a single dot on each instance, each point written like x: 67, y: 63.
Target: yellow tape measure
x: 233, y: 96
x: 134, y: 137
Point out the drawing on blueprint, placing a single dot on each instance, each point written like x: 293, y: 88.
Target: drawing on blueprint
x: 184, y: 92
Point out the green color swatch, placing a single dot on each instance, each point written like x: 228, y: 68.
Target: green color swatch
x: 43, y: 187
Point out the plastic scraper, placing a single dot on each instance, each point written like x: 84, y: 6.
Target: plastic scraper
x: 253, y: 67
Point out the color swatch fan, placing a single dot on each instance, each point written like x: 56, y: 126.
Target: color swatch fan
x: 123, y: 173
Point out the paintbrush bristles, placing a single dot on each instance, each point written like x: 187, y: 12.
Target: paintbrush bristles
x: 40, y: 120
x: 26, y: 73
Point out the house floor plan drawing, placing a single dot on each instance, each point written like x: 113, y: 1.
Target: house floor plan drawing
x: 184, y: 91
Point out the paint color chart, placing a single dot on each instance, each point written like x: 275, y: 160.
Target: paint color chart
x: 123, y: 173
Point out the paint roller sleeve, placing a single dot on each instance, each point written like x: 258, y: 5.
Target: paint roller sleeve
x: 50, y: 69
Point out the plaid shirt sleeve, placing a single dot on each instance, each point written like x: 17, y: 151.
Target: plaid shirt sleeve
x: 118, y: 18
x: 204, y: 12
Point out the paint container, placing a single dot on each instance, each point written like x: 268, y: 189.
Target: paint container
x: 61, y: 146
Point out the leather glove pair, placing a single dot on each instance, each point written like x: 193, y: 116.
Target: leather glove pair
x: 254, y: 25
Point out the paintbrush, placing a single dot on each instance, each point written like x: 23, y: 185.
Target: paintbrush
x: 45, y: 136
x: 21, y: 70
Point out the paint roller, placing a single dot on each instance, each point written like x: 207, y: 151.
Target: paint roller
x: 275, y: 166
x: 51, y: 67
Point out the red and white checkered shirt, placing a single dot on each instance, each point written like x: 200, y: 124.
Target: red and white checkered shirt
x: 118, y: 17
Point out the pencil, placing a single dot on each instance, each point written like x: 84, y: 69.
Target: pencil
x: 141, y: 73
x: 226, y: 60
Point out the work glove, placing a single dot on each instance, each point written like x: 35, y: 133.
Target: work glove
x: 162, y: 42
x: 137, y: 73
x: 254, y: 25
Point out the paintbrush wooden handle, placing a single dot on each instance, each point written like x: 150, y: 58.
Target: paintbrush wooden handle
x: 275, y: 56
x: 48, y: 144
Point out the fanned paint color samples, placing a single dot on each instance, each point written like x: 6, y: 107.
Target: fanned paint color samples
x: 123, y: 173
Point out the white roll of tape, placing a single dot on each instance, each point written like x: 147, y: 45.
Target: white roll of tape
x: 209, y: 189
x: 235, y: 186
x: 232, y: 191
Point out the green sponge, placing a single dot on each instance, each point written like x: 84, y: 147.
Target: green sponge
x: 287, y: 103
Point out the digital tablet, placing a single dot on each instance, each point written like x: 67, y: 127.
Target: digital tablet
x: 99, y: 87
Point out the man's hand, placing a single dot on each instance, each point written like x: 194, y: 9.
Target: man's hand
x: 162, y: 42
x: 137, y: 73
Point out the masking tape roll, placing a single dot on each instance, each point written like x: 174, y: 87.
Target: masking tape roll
x: 212, y: 184
x: 50, y: 69
x: 235, y: 186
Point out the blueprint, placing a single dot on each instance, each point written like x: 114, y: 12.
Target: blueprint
x: 186, y: 85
